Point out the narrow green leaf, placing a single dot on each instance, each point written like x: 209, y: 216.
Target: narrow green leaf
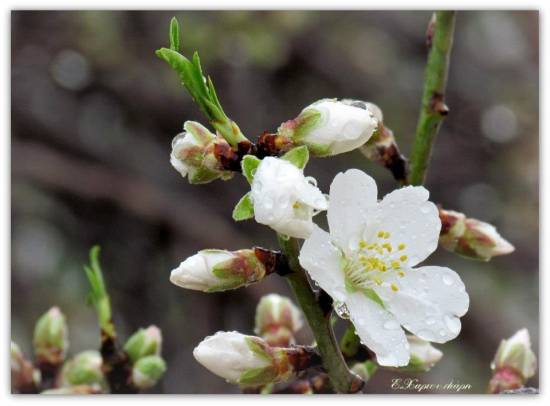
x: 297, y: 156
x: 244, y: 209
x: 174, y: 35
x: 249, y: 164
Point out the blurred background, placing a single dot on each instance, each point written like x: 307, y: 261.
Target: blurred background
x: 94, y: 112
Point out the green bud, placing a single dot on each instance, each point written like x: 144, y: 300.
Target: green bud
x: 147, y: 371
x: 51, y: 337
x: 144, y: 342
x: 83, y: 369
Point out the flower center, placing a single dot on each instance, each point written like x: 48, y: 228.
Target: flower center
x: 378, y: 262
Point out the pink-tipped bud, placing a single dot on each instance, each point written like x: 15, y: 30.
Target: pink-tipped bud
x: 277, y: 320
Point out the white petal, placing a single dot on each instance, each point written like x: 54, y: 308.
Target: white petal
x: 429, y: 302
x: 322, y: 262
x: 411, y: 219
x: 352, y: 197
x: 378, y: 330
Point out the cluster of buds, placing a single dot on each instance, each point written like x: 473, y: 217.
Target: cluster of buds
x: 329, y: 127
x: 195, y: 154
x: 215, y: 270
x: 470, y: 237
x: 514, y: 363
x: 143, y: 349
x: 277, y: 320
x: 250, y: 360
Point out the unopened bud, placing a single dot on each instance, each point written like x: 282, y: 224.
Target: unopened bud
x: 24, y: 378
x: 74, y: 390
x: 249, y: 360
x: 365, y: 370
x: 423, y: 355
x: 193, y: 154
x: 470, y: 237
x: 84, y: 368
x: 330, y: 127
x: 144, y: 342
x: 514, y: 363
x: 217, y: 270
x: 51, y: 337
x: 277, y: 320
x: 147, y: 371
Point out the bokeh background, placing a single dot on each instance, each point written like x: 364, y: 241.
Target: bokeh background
x: 94, y: 111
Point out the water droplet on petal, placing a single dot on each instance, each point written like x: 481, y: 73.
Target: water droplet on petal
x: 452, y: 323
x: 430, y: 321
x: 341, y: 310
x: 447, y: 280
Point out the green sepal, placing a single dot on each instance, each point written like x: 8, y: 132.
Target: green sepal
x: 201, y: 175
x: 372, y: 295
x: 297, y: 156
x: 174, y: 35
x: 257, y: 376
x: 244, y: 209
x: 249, y: 164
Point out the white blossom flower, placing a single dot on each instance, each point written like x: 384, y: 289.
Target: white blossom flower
x: 284, y: 199
x: 215, y: 270
x: 331, y: 127
x: 368, y: 262
x: 516, y: 353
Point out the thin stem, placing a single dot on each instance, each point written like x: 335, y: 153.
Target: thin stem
x: 433, y: 110
x: 341, y: 378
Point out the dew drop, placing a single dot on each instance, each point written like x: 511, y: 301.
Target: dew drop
x: 341, y: 310
x: 452, y: 323
x: 430, y: 321
x: 447, y: 280
x: 442, y: 333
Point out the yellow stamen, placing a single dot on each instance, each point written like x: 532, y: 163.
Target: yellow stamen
x: 387, y: 235
x: 387, y: 246
x: 401, y: 274
x: 401, y: 247
x: 362, y: 244
x: 395, y: 264
x: 296, y: 205
x: 394, y: 287
x: 381, y: 234
x: 403, y: 258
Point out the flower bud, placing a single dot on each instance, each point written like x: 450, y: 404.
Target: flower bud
x: 193, y: 154
x: 277, y: 320
x: 51, y: 337
x: 330, y: 127
x: 147, y: 371
x: 84, y: 368
x: 249, y: 360
x: 284, y: 199
x: 217, y: 270
x: 514, y: 363
x: 144, y: 342
x: 365, y: 370
x: 470, y: 237
x: 24, y: 378
x: 423, y: 355
x: 74, y: 390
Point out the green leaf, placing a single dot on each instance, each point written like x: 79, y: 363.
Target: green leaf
x: 244, y: 209
x: 249, y: 164
x: 174, y: 35
x: 372, y: 295
x: 98, y: 293
x: 297, y: 156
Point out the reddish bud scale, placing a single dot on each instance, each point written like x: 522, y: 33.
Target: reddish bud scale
x: 505, y: 379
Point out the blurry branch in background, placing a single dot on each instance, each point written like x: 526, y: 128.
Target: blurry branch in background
x: 433, y: 109
x: 137, y: 195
